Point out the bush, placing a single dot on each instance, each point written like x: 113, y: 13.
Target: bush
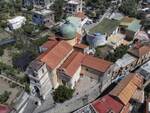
x: 1, y: 51
x: 117, y: 54
x: 4, y: 97
x: 62, y: 93
x: 40, y: 41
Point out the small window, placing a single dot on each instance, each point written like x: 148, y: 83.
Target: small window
x: 42, y: 70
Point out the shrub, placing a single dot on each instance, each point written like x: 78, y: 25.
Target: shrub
x: 62, y: 93
x: 1, y: 51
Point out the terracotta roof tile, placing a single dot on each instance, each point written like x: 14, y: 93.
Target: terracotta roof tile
x: 81, y: 15
x: 49, y: 44
x: 72, y: 63
x: 139, y: 52
x: 56, y: 54
x: 126, y: 109
x: 107, y: 104
x: 96, y: 63
x: 127, y: 87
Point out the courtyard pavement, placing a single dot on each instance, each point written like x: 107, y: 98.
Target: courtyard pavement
x: 85, y: 83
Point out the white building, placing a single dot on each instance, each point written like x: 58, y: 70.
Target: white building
x: 16, y: 22
x: 145, y: 70
x: 74, y: 6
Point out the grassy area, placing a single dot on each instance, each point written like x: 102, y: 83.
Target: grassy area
x: 4, y: 35
x: 6, y: 87
x: 106, y: 26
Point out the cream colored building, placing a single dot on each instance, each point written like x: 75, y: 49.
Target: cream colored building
x: 42, y: 71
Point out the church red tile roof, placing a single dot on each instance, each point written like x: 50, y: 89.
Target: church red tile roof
x: 107, y: 104
x: 96, y: 63
x: 56, y: 54
x: 49, y: 44
x: 72, y: 64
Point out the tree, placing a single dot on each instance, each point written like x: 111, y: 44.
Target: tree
x: 118, y: 53
x: 58, y: 9
x: 129, y: 7
x: 62, y: 93
x: 1, y: 51
x: 4, y: 96
x: 99, y: 5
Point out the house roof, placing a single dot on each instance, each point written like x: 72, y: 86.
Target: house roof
x: 126, y: 108
x: 134, y: 26
x: 127, y: 87
x: 107, y: 104
x: 80, y: 46
x: 139, y: 51
x: 81, y: 15
x: 105, y: 26
x: 54, y: 56
x: 96, y: 63
x: 72, y: 63
x: 4, y: 109
x: 126, y: 21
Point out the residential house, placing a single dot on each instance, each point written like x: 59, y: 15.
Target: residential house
x: 141, y: 52
x: 145, y: 70
x: 123, y: 66
x: 107, y: 104
x: 115, y: 40
x: 16, y: 23
x: 129, y: 26
x: 96, y: 39
x: 74, y: 6
x: 146, y: 3
x: 43, y: 17
x: 129, y: 84
x: 37, y: 3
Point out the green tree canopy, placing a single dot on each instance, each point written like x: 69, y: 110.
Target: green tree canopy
x: 118, y: 53
x: 1, y: 51
x: 129, y: 7
x: 62, y: 93
x: 58, y: 8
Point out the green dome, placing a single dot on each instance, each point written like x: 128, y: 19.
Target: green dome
x: 68, y: 30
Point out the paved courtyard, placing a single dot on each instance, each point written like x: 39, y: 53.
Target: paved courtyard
x: 85, y: 83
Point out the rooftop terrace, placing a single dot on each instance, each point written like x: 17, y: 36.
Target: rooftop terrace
x: 106, y: 26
